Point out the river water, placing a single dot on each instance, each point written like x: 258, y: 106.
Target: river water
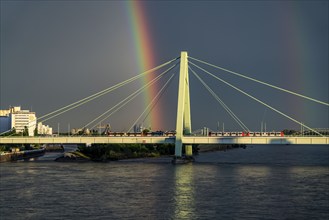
x: 259, y: 182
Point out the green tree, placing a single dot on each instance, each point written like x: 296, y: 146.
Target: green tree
x: 26, y: 131
x: 36, y: 131
x: 145, y: 131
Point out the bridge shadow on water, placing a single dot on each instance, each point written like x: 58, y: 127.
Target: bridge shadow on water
x: 280, y: 141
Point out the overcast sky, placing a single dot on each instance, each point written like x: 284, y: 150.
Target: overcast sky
x: 56, y: 52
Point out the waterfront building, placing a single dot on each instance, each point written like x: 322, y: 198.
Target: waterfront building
x: 76, y: 131
x: 139, y: 128
x: 44, y: 129
x: 20, y: 119
x: 12, y: 109
x: 205, y: 131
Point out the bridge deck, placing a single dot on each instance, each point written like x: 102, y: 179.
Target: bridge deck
x: 162, y: 140
x: 256, y: 140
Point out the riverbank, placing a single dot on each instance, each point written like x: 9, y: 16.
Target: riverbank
x: 219, y: 147
x: 54, y: 148
x: 75, y: 156
x: 21, y: 155
x: 115, y: 152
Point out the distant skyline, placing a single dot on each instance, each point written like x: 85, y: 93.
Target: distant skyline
x: 54, y: 53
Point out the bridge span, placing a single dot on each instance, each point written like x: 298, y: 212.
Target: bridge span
x: 256, y: 140
x: 183, y: 131
x: 166, y: 140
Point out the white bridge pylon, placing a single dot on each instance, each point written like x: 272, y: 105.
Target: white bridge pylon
x: 183, y: 120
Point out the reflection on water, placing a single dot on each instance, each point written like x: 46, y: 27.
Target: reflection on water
x: 253, y: 172
x: 306, y: 171
x: 184, y: 194
x: 256, y: 183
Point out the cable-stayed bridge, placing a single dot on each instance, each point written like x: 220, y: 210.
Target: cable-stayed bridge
x: 183, y: 135
x: 164, y: 140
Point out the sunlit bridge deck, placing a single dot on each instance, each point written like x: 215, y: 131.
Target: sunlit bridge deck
x: 86, y: 140
x: 165, y: 140
x: 256, y: 140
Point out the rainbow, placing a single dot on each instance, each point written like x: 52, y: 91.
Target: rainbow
x: 145, y: 57
x: 296, y: 49
x: 302, y: 52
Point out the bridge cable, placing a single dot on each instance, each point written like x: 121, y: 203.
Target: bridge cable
x: 252, y: 97
x: 153, y: 100
x: 229, y: 111
x: 101, y: 93
x: 129, y: 98
x: 96, y: 95
x: 125, y: 101
x: 261, y: 82
x: 155, y: 103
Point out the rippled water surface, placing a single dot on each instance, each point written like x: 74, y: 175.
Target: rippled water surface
x: 260, y: 182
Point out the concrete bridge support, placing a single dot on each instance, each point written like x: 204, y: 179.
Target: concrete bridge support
x: 183, y: 121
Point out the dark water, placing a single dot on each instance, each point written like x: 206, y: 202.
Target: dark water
x: 260, y: 182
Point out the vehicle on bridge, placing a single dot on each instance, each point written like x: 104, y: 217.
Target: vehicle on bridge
x: 220, y: 133
x: 246, y: 134
x: 140, y: 134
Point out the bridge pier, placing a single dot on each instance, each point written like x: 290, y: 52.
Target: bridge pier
x: 188, y: 150
x: 183, y: 120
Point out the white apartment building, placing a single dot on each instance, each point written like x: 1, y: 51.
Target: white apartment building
x: 44, y: 129
x: 24, y: 119
x: 20, y: 119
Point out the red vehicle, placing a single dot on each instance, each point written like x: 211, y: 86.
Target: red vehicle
x: 265, y: 134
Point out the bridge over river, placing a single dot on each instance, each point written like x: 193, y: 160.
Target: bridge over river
x: 165, y: 140
x: 183, y: 131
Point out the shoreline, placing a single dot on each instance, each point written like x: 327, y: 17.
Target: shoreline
x: 80, y: 156
x: 21, y: 155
